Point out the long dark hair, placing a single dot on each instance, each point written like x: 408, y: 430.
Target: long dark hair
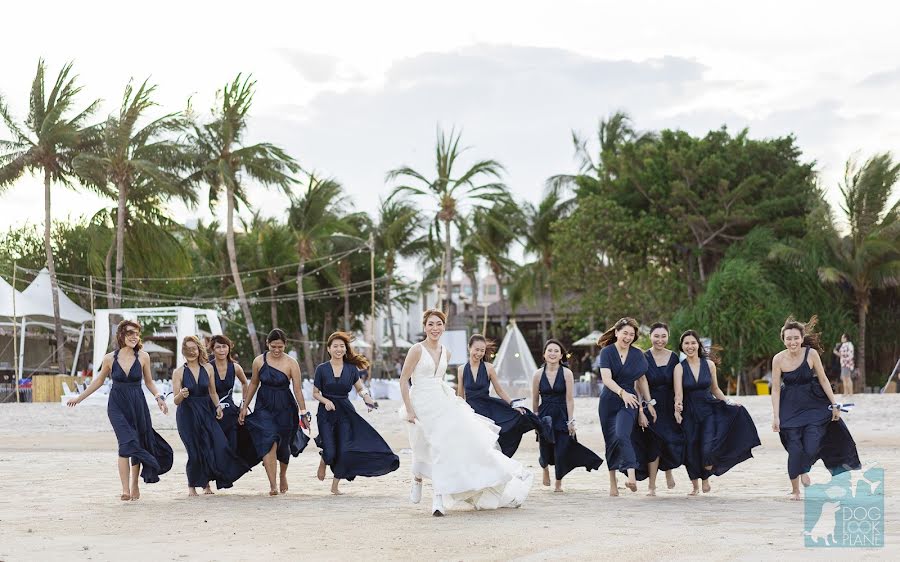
x: 121, y: 330
x: 609, y: 336
x: 702, y: 351
x: 224, y: 340
x: 807, y: 330
x: 562, y: 349
x: 277, y: 334
x: 355, y: 359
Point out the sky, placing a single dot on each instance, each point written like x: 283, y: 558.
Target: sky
x: 354, y: 89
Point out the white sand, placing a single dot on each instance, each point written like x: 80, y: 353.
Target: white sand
x: 59, y: 494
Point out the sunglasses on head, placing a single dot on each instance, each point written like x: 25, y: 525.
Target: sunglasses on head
x: 132, y: 333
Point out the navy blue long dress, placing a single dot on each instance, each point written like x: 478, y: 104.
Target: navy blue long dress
x: 513, y: 425
x: 209, y: 455
x: 807, y: 432
x: 665, y: 437
x: 565, y: 453
x: 715, y: 433
x: 624, y: 446
x: 130, y: 418
x: 350, y: 446
x: 230, y: 412
x: 275, y: 420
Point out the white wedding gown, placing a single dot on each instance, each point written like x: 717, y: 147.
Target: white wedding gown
x: 457, y: 448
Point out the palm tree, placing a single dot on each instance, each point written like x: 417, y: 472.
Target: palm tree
x: 47, y: 142
x: 470, y: 263
x: 271, y: 244
x: 223, y: 162
x: 496, y: 228
x: 450, y: 193
x: 869, y: 257
x: 130, y: 157
x: 314, y: 217
x: 397, y: 235
x: 537, y: 234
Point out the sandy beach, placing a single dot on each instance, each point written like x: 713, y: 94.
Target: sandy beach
x: 59, y: 500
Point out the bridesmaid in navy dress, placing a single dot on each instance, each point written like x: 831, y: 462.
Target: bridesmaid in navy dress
x: 719, y: 434
x: 664, y: 438
x: 623, y: 369
x: 146, y: 451
x: 225, y: 371
x: 274, y: 426
x: 805, y: 415
x: 209, y: 455
x: 350, y: 446
x: 555, y: 399
x: 475, y: 390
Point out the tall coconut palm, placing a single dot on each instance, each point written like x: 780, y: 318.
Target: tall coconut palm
x: 537, y: 234
x: 398, y: 234
x: 270, y: 242
x: 470, y: 263
x: 869, y: 257
x: 46, y: 143
x: 314, y: 217
x: 496, y: 229
x: 224, y: 162
x: 450, y: 192
x: 130, y: 156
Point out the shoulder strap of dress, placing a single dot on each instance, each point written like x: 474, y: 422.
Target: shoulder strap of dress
x: 806, y: 357
x: 116, y: 354
x: 265, y: 353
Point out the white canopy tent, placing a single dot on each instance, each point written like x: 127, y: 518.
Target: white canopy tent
x: 514, y: 364
x: 588, y: 340
x: 185, y: 325
x: 151, y: 347
x: 401, y: 343
x: 34, y: 305
x: 7, y: 294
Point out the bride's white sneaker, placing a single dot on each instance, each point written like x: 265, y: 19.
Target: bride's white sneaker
x: 415, y: 493
x: 437, y: 506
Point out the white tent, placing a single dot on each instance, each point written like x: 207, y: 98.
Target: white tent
x: 514, y: 364
x: 151, y: 347
x: 401, y: 343
x: 588, y: 340
x: 6, y: 300
x: 37, y: 308
x: 185, y: 325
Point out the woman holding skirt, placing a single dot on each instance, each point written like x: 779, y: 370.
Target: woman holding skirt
x: 350, y: 446
x: 225, y: 372
x: 553, y: 389
x: 806, y: 415
x: 145, y: 450
x: 719, y: 434
x: 473, y: 383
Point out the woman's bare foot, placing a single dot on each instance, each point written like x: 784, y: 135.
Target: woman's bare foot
x: 320, y: 473
x: 125, y: 497
x: 651, y: 492
x: 804, y: 479
x: 135, y: 493
x: 558, y: 487
x: 192, y: 491
x: 208, y: 491
x: 334, y: 487
x: 614, y: 492
x: 706, y: 487
x: 670, y: 480
x: 283, y: 488
x: 694, y: 492
x: 631, y: 485
x: 273, y: 492
x: 795, y: 496
x: 546, y: 477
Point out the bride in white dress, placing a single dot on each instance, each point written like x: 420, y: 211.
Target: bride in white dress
x: 452, y: 445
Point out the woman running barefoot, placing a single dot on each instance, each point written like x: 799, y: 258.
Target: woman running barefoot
x: 209, y: 455
x: 127, y: 409
x: 664, y: 438
x: 475, y: 390
x: 719, y: 433
x: 350, y: 446
x: 451, y: 444
x: 555, y: 399
x: 274, y: 426
x: 623, y: 368
x: 804, y: 412
x: 225, y: 371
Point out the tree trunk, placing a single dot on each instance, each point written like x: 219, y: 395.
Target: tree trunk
x: 863, y: 311
x: 504, y: 319
x: 107, y: 272
x: 273, y: 307
x: 473, y: 279
x: 448, y: 268
x: 54, y: 287
x: 389, y: 281
x: 345, y: 291
x: 120, y: 243
x: 236, y: 275
x: 543, y: 296
x: 304, y: 327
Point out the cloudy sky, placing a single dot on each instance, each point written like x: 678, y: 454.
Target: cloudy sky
x: 353, y: 89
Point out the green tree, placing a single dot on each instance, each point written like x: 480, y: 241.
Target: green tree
x: 46, y: 143
x: 495, y: 232
x: 450, y: 192
x: 131, y: 156
x: 224, y: 162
